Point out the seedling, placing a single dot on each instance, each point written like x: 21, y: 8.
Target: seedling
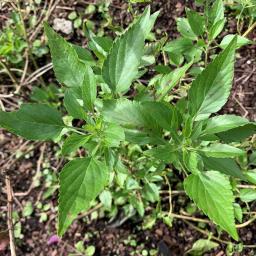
x: 134, y: 144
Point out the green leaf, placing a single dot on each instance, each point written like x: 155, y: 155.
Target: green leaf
x: 137, y: 204
x: 73, y: 142
x: 150, y: 192
x: 84, y: 55
x: 27, y: 210
x: 73, y: 105
x: 201, y: 246
x: 248, y: 195
x: 133, y: 114
x: 238, y: 212
x: 196, y: 22
x: 212, y: 193
x: 142, y: 138
x: 99, y: 45
x: 238, y: 134
x: 216, y: 12
x: 164, y: 153
x: 184, y: 28
x: 223, y: 123
x: 121, y: 66
x: 216, y: 29
x: 67, y: 67
x: 106, y: 199
x: 191, y: 161
x: 33, y: 122
x: 251, y: 176
x: 222, y: 151
x: 81, y: 181
x: 89, y: 88
x: 113, y: 135
x: 210, y: 90
x: 241, y: 41
x: 170, y: 80
x: 224, y: 165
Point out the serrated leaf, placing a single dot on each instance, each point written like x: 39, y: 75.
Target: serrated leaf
x: 33, y: 122
x: 67, y: 66
x: 212, y: 193
x: 164, y: 153
x: 170, y: 80
x: 113, y: 135
x: 238, y: 134
x: 196, y: 22
x: 73, y: 105
x: 142, y: 138
x: 84, y: 55
x: 191, y: 161
x: 106, y: 199
x: 73, y: 142
x: 241, y: 41
x: 81, y: 181
x: 238, y: 212
x: 216, y: 29
x: 222, y: 151
x: 202, y: 246
x: 223, y: 123
x: 216, y: 12
x: 210, y: 90
x: 150, y: 192
x: 133, y: 114
x: 89, y: 88
x: 227, y: 166
x: 121, y: 66
x: 248, y: 195
x: 137, y: 204
x: 251, y: 176
x: 185, y: 29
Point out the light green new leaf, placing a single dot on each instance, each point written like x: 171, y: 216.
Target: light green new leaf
x: 81, y: 181
x: 121, y: 66
x: 210, y: 90
x: 238, y: 212
x: 150, y: 192
x: 89, y: 88
x: 223, y: 123
x: 168, y: 81
x: 73, y: 142
x: 202, y: 246
x: 196, y: 22
x: 67, y: 66
x: 73, y: 106
x: 248, y: 195
x: 241, y: 41
x: 212, y: 193
x: 33, y: 122
x: 222, y: 151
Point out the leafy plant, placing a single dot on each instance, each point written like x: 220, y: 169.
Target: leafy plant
x: 133, y: 142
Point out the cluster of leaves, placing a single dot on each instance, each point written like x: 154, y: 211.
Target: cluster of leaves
x: 13, y: 41
x: 114, y: 122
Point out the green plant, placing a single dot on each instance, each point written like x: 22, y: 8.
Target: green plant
x: 136, y: 137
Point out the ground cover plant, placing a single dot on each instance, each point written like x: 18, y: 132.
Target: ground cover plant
x: 136, y: 135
